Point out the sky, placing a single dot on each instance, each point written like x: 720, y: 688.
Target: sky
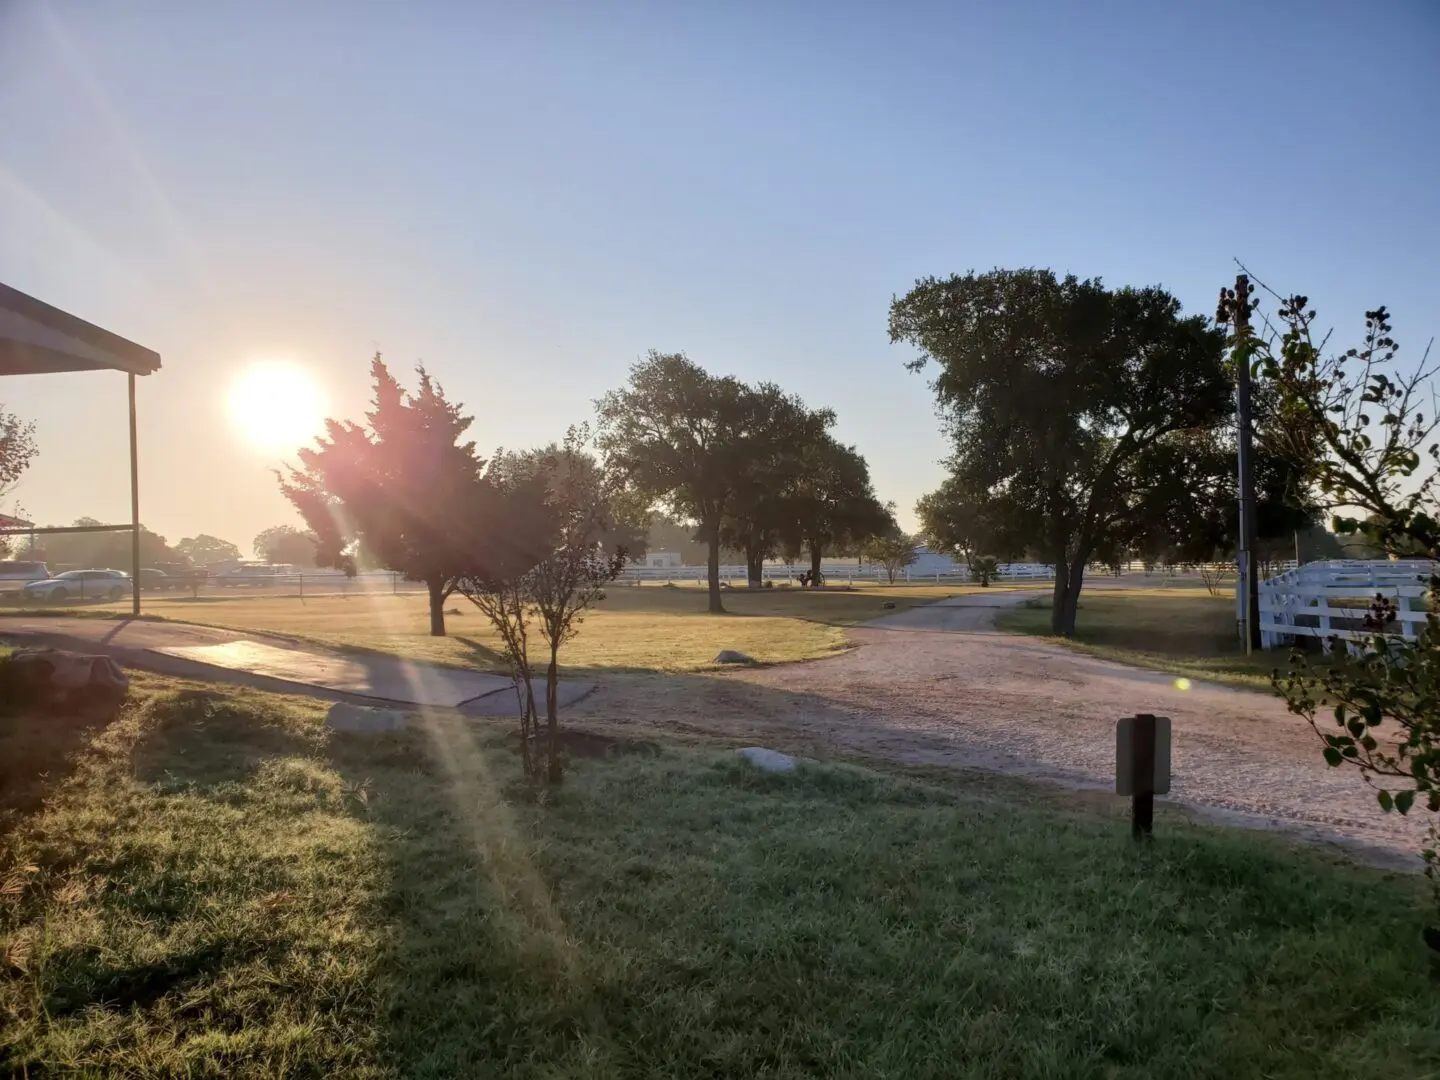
x: 529, y: 197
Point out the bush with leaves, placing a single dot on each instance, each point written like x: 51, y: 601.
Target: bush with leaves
x: 983, y: 569
x: 1365, y: 426
x: 561, y: 530
x: 893, y: 550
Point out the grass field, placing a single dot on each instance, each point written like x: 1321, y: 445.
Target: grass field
x: 650, y: 628
x: 1181, y: 630
x: 212, y: 887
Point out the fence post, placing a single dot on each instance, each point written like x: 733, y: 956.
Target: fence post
x: 301, y: 577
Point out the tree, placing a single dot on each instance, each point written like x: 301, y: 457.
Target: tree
x: 580, y: 526
x: 984, y: 569
x: 956, y: 525
x: 764, y: 502
x: 833, y: 502
x: 893, y: 549
x: 98, y: 549
x: 402, y: 485
x: 17, y: 449
x: 1053, y: 390
x: 682, y: 437
x: 1360, y: 421
x: 669, y: 534
x: 207, y: 550
x: 524, y: 528
x: 286, y: 544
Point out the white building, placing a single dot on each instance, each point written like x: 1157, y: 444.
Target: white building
x: 933, y: 562
x: 663, y: 560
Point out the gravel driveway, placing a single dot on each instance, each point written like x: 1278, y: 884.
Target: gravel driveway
x: 937, y: 685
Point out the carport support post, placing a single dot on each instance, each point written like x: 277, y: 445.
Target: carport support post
x: 134, y: 506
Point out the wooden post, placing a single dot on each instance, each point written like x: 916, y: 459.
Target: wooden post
x: 1142, y: 804
x: 1142, y: 767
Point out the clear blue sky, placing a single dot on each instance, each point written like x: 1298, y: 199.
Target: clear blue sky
x: 530, y: 196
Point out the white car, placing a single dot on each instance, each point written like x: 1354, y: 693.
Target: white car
x: 16, y: 575
x: 257, y: 574
x: 79, y: 585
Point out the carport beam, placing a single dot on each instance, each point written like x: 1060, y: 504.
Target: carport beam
x: 134, y: 506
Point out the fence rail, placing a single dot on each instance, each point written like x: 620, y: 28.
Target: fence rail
x: 1328, y: 600
x: 847, y: 574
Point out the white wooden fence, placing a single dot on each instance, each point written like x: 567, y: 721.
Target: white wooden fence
x: 844, y: 574
x: 1340, y: 591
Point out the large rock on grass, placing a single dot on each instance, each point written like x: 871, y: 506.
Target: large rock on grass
x: 767, y: 760
x: 730, y: 656
x: 364, y: 720
x: 57, y: 677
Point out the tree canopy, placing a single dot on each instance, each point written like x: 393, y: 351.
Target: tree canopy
x: 893, y: 550
x: 286, y: 544
x: 1055, y: 393
x: 207, y: 550
x: 833, y: 503
x: 769, y: 493
x: 681, y: 435
x: 17, y: 449
x: 402, y: 484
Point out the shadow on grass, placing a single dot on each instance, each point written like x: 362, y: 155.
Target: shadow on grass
x: 681, y: 912
x: 39, y: 748
x: 271, y: 897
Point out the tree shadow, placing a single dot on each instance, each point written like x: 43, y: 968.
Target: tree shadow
x: 203, y: 738
x: 40, y: 747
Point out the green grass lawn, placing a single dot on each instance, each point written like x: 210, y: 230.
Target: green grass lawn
x: 211, y: 886
x: 1180, y: 630
x: 649, y: 628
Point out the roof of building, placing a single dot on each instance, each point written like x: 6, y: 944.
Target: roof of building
x: 36, y: 338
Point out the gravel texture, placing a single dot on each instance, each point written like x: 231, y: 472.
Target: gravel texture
x: 937, y: 685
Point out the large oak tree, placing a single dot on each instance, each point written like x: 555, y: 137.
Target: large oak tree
x: 1054, y: 392
x: 834, y: 504
x: 770, y: 493
x: 689, y: 440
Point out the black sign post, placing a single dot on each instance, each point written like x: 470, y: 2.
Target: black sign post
x: 1142, y: 813
x: 1142, y: 767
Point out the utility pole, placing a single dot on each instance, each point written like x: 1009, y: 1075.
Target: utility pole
x: 1235, y: 307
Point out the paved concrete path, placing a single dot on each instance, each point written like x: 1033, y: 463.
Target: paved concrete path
x: 208, y: 653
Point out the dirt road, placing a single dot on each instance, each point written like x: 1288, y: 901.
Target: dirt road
x: 937, y: 685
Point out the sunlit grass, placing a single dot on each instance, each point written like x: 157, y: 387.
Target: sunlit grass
x: 220, y: 889
x: 647, y: 628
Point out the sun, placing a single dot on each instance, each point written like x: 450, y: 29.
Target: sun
x: 277, y: 405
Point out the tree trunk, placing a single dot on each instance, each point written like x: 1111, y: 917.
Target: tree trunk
x: 1068, y: 579
x: 713, y: 569
x: 815, y: 553
x: 436, y: 589
x: 552, y: 718
x: 754, y: 568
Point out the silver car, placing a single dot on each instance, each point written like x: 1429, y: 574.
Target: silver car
x: 79, y: 585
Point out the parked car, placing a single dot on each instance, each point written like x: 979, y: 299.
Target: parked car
x: 154, y: 578
x: 17, y: 574
x: 177, y: 575
x: 257, y: 574
x: 79, y: 585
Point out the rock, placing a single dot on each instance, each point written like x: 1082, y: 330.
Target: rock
x: 55, y: 677
x: 730, y: 656
x: 768, y: 760
x: 888, y: 605
x: 363, y: 720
